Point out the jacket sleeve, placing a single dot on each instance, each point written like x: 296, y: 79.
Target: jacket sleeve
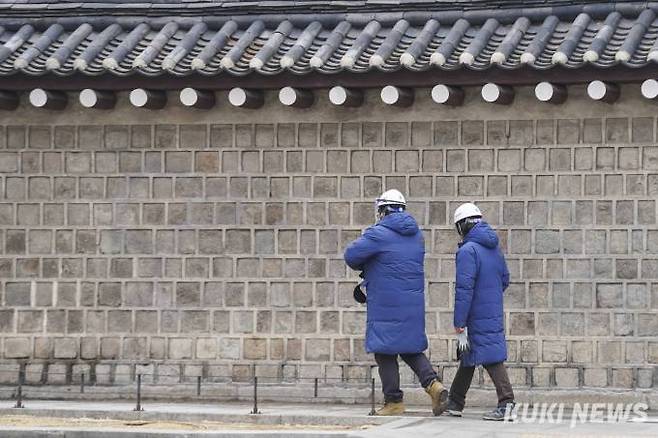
x: 505, y: 273
x: 464, y: 284
x: 361, y: 250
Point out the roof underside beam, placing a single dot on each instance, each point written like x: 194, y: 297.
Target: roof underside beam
x: 373, y: 79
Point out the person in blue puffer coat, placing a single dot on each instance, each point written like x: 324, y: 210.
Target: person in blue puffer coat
x: 390, y: 256
x: 481, y: 279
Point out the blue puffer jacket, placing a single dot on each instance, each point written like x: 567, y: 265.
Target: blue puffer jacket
x: 482, y: 277
x: 391, y: 254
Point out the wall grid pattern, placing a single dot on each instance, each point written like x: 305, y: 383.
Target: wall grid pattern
x: 219, y: 246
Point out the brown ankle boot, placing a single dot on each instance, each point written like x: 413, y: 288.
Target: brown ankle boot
x: 439, y: 397
x: 391, y: 408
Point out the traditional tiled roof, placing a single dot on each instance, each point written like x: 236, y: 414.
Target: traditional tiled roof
x: 60, y: 38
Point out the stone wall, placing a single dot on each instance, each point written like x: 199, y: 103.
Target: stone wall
x: 208, y: 241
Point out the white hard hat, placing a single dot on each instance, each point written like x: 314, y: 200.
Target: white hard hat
x: 391, y: 197
x: 467, y: 210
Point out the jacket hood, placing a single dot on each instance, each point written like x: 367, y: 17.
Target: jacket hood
x: 402, y: 223
x: 483, y: 234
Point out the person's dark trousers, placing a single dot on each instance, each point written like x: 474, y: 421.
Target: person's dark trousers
x: 389, y: 373
x: 498, y: 373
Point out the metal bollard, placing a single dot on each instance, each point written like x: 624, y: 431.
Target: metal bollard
x: 315, y: 389
x: 138, y: 407
x: 255, y: 410
x: 372, y: 398
x: 19, y: 392
x: 198, y: 386
x: 82, y: 383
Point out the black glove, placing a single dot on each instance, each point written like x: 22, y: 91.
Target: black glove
x: 359, y: 296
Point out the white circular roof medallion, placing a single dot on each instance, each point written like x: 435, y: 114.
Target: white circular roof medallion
x: 390, y: 95
x: 338, y: 95
x: 596, y: 90
x: 88, y: 98
x: 38, y: 98
x: 440, y: 93
x: 649, y: 88
x: 237, y: 97
x: 188, y: 96
x: 544, y: 91
x: 138, y: 97
x: 287, y: 96
x: 490, y: 92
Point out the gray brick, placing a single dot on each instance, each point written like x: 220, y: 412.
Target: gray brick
x: 626, y: 269
x: 625, y: 212
x: 90, y: 137
x: 193, y: 136
x: 522, y: 323
x: 407, y: 161
x: 446, y: 133
x: 455, y: 160
x: 244, y: 135
x: 548, y: 324
x: 307, y: 134
x: 547, y: 241
x: 554, y: 351
x: 616, y: 131
x: 138, y: 294
x: 572, y: 324
x: 396, y: 134
x: 480, y: 160
x: 521, y: 132
x: 605, y: 158
x: 119, y: 321
x: 609, y: 295
x: 567, y: 377
x: 177, y: 162
x: 285, y: 135
x: 642, y: 129
x: 497, y: 132
x: 17, y: 348
x: 65, y: 348
x: 421, y: 134
x: 509, y: 160
x: 568, y: 131
x: 592, y: 131
x: 40, y: 137
x: 583, y: 158
x: 545, y: 131
x: 560, y: 159
x: 470, y: 185
x: 116, y: 137
x: 647, y: 324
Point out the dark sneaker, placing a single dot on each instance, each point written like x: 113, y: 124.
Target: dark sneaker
x: 453, y: 409
x: 500, y: 413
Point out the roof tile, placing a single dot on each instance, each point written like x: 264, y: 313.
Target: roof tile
x: 271, y: 44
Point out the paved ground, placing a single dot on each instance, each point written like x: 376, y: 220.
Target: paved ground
x: 65, y: 419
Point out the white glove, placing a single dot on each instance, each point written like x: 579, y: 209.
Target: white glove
x: 463, y: 346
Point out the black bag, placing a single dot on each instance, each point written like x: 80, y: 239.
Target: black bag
x: 359, y: 296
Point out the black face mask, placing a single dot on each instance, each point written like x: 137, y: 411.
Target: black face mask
x: 385, y: 210
x: 465, y: 225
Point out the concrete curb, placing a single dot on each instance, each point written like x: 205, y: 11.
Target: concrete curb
x: 261, y: 419
x: 118, y: 433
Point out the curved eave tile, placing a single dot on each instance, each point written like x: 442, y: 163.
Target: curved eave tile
x: 241, y: 65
